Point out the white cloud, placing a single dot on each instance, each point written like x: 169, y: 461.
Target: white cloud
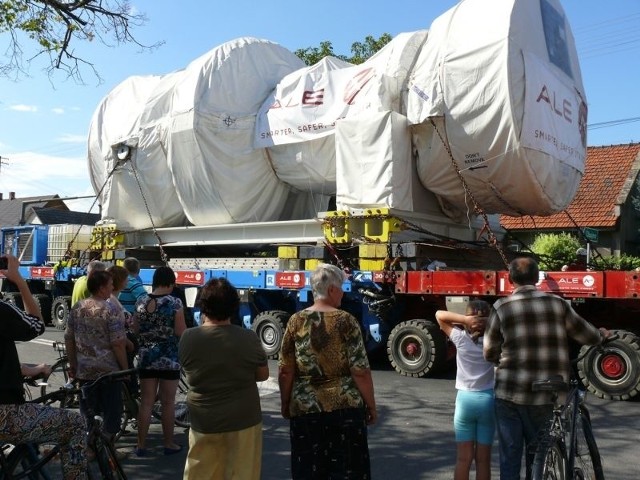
x: 32, y: 174
x: 71, y: 138
x: 58, y: 110
x: 23, y: 108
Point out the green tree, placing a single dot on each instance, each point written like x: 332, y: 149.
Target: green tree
x: 50, y: 28
x: 555, y: 250
x: 623, y: 262
x: 312, y: 55
x: 360, y: 51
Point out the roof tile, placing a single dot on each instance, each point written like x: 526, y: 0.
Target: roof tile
x: 609, y: 174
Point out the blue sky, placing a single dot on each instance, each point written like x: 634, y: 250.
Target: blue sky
x: 44, y: 121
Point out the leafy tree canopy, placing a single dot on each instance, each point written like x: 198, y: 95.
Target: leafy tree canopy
x: 555, y: 250
x: 51, y: 28
x: 360, y: 51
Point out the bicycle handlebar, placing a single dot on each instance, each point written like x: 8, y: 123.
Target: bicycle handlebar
x: 600, y: 347
x: 55, y: 396
x: 106, y: 377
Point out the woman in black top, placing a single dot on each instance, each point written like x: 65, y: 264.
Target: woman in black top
x: 22, y: 422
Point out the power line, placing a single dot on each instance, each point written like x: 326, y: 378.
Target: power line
x: 612, y: 123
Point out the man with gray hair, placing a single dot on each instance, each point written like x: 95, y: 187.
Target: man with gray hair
x: 80, y: 290
x: 134, y: 289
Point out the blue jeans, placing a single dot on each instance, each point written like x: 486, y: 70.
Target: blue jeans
x: 518, y: 425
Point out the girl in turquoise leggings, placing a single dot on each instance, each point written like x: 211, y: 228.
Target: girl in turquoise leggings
x: 474, y: 418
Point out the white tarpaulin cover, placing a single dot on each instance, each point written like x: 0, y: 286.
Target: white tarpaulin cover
x: 374, y: 163
x: 218, y: 175
x: 297, y: 121
x: 306, y: 162
x: 502, y: 83
x: 122, y: 118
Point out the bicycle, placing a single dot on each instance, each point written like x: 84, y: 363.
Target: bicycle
x: 60, y: 379
x: 567, y: 450
x: 182, y: 418
x: 98, y: 441
x: 131, y: 405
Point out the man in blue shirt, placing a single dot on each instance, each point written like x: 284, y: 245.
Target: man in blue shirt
x: 134, y: 289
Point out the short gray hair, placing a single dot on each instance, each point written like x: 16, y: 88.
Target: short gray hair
x: 132, y: 265
x: 323, y: 277
x: 96, y: 266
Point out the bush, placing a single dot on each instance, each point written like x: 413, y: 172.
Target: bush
x: 623, y: 262
x: 555, y: 250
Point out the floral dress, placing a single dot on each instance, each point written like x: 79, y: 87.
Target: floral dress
x: 158, y: 343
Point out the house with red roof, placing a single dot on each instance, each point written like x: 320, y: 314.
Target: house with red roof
x: 604, y: 202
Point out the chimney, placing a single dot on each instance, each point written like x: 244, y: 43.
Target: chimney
x: 0, y: 195
x: 12, y: 195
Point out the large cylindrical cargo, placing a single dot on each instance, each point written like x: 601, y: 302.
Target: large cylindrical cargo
x: 218, y: 176
x: 496, y: 99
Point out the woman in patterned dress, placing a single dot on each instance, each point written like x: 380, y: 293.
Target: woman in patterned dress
x: 159, y: 322
x: 326, y: 388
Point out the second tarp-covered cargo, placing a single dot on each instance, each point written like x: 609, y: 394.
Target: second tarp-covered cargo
x: 297, y: 122
x: 502, y: 84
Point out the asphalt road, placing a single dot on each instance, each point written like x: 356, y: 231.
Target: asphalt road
x: 412, y: 440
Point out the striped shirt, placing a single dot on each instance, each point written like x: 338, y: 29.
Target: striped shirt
x: 131, y: 293
x: 527, y: 338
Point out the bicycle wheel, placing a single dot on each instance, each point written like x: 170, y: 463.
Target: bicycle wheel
x: 25, y: 461
x: 108, y: 462
x: 550, y: 460
x: 57, y: 380
x: 587, y: 464
x: 130, y: 407
x: 181, y: 411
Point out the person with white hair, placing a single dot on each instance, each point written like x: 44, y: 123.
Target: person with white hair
x: 326, y: 388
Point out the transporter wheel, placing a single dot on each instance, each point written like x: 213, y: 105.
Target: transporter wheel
x: 269, y: 326
x: 614, y: 373
x: 14, y: 298
x: 60, y: 312
x: 44, y: 302
x: 417, y: 348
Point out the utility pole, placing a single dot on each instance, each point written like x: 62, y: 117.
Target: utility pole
x: 2, y: 162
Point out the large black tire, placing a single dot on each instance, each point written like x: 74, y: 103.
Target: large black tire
x: 550, y: 460
x: 588, y: 464
x: 417, y: 348
x: 613, y: 373
x: 14, y: 298
x: 269, y: 326
x: 44, y: 302
x: 60, y: 312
